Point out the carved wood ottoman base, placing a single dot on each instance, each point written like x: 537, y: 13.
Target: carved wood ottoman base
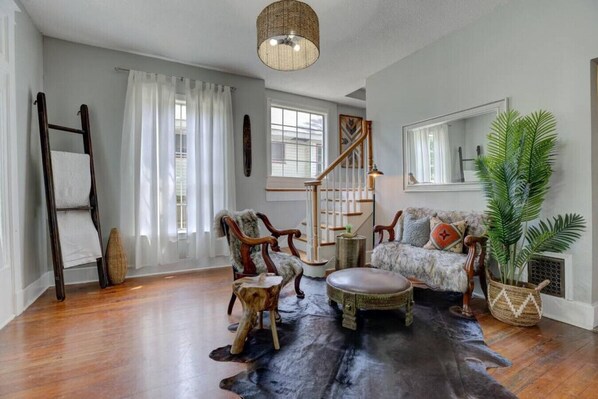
x: 369, y: 289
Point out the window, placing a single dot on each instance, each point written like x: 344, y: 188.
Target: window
x: 180, y: 148
x: 296, y: 142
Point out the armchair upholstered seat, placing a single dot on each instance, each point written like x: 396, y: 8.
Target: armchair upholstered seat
x: 251, y: 254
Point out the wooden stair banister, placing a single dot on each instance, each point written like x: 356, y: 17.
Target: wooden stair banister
x: 346, y: 175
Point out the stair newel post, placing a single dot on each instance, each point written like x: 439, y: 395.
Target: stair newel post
x: 327, y: 202
x: 364, y: 161
x: 308, y: 223
x: 313, y: 219
x: 353, y: 186
x: 334, y: 198
x: 359, y: 171
x: 316, y: 221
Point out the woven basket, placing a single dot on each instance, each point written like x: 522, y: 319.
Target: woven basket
x: 116, y: 258
x: 516, y: 305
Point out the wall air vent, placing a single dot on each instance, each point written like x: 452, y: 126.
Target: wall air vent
x: 543, y: 267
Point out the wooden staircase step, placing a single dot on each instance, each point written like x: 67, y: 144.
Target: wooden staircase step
x: 349, y: 200
x: 343, y: 213
x: 329, y: 227
x: 344, y: 189
x: 323, y: 243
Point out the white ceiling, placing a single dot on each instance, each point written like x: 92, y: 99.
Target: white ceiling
x: 357, y: 37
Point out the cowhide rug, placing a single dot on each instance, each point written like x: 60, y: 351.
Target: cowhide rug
x: 438, y: 356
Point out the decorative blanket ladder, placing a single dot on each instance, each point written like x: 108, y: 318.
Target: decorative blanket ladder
x: 51, y: 202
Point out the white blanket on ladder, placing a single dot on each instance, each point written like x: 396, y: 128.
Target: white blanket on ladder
x: 79, y: 239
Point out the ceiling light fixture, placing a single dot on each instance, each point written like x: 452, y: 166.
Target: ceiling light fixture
x: 288, y: 35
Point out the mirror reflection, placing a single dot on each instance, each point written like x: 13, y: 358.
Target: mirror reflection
x: 442, y: 151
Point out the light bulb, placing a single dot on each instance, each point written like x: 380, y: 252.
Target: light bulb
x: 296, y: 47
x: 273, y: 42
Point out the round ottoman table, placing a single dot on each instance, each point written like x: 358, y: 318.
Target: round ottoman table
x: 367, y: 288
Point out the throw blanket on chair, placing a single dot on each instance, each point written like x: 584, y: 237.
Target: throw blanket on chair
x: 287, y: 266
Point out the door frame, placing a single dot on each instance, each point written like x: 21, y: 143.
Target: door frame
x: 13, y: 239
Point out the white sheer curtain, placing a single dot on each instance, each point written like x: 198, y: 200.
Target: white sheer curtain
x: 420, y: 155
x: 430, y: 157
x: 442, y: 153
x: 148, y: 203
x: 210, y: 163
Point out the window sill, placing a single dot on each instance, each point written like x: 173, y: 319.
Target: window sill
x: 285, y: 188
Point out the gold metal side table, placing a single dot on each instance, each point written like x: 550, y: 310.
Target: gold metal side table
x: 350, y: 252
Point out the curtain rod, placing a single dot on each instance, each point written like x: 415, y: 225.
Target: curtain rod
x: 120, y: 69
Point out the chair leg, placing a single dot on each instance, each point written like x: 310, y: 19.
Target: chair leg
x: 483, y: 283
x: 300, y: 294
x: 231, y: 304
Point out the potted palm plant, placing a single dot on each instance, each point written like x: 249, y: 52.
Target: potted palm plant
x: 515, y: 175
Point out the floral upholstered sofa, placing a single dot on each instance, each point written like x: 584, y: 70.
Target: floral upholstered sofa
x: 436, y: 269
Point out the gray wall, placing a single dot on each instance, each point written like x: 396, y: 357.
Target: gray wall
x: 535, y: 52
x: 32, y: 214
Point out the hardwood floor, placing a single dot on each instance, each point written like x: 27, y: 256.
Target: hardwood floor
x: 150, y: 338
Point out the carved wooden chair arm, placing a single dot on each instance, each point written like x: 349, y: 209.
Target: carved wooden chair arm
x: 247, y: 243
x: 290, y: 233
x: 380, y: 229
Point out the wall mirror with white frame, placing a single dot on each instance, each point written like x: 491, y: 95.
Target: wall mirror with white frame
x: 439, y: 153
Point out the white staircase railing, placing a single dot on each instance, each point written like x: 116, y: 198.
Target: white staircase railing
x: 333, y: 195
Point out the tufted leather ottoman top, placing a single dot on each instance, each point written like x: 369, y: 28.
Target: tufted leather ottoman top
x: 368, y: 281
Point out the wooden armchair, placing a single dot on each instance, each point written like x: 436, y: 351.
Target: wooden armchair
x: 251, y: 255
x: 472, y: 260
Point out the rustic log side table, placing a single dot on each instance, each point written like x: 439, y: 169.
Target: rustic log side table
x: 257, y: 294
x: 366, y: 288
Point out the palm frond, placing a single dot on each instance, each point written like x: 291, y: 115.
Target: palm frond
x: 554, y: 235
x: 535, y: 163
x: 503, y: 130
x: 503, y: 222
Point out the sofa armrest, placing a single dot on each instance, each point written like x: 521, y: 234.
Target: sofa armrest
x: 472, y: 242
x: 380, y: 229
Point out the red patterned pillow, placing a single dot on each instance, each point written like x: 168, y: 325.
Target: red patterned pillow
x: 446, y: 236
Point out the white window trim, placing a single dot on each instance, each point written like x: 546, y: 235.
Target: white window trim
x: 292, y: 182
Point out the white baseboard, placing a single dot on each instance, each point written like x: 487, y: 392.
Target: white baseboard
x: 579, y: 314
x: 29, y: 294
x: 5, y: 322
x: 88, y: 274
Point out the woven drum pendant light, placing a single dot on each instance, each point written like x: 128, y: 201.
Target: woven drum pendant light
x: 288, y: 35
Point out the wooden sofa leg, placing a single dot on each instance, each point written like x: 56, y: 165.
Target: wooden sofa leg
x: 231, y: 304
x: 483, y: 282
x: 465, y: 310
x: 300, y: 294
